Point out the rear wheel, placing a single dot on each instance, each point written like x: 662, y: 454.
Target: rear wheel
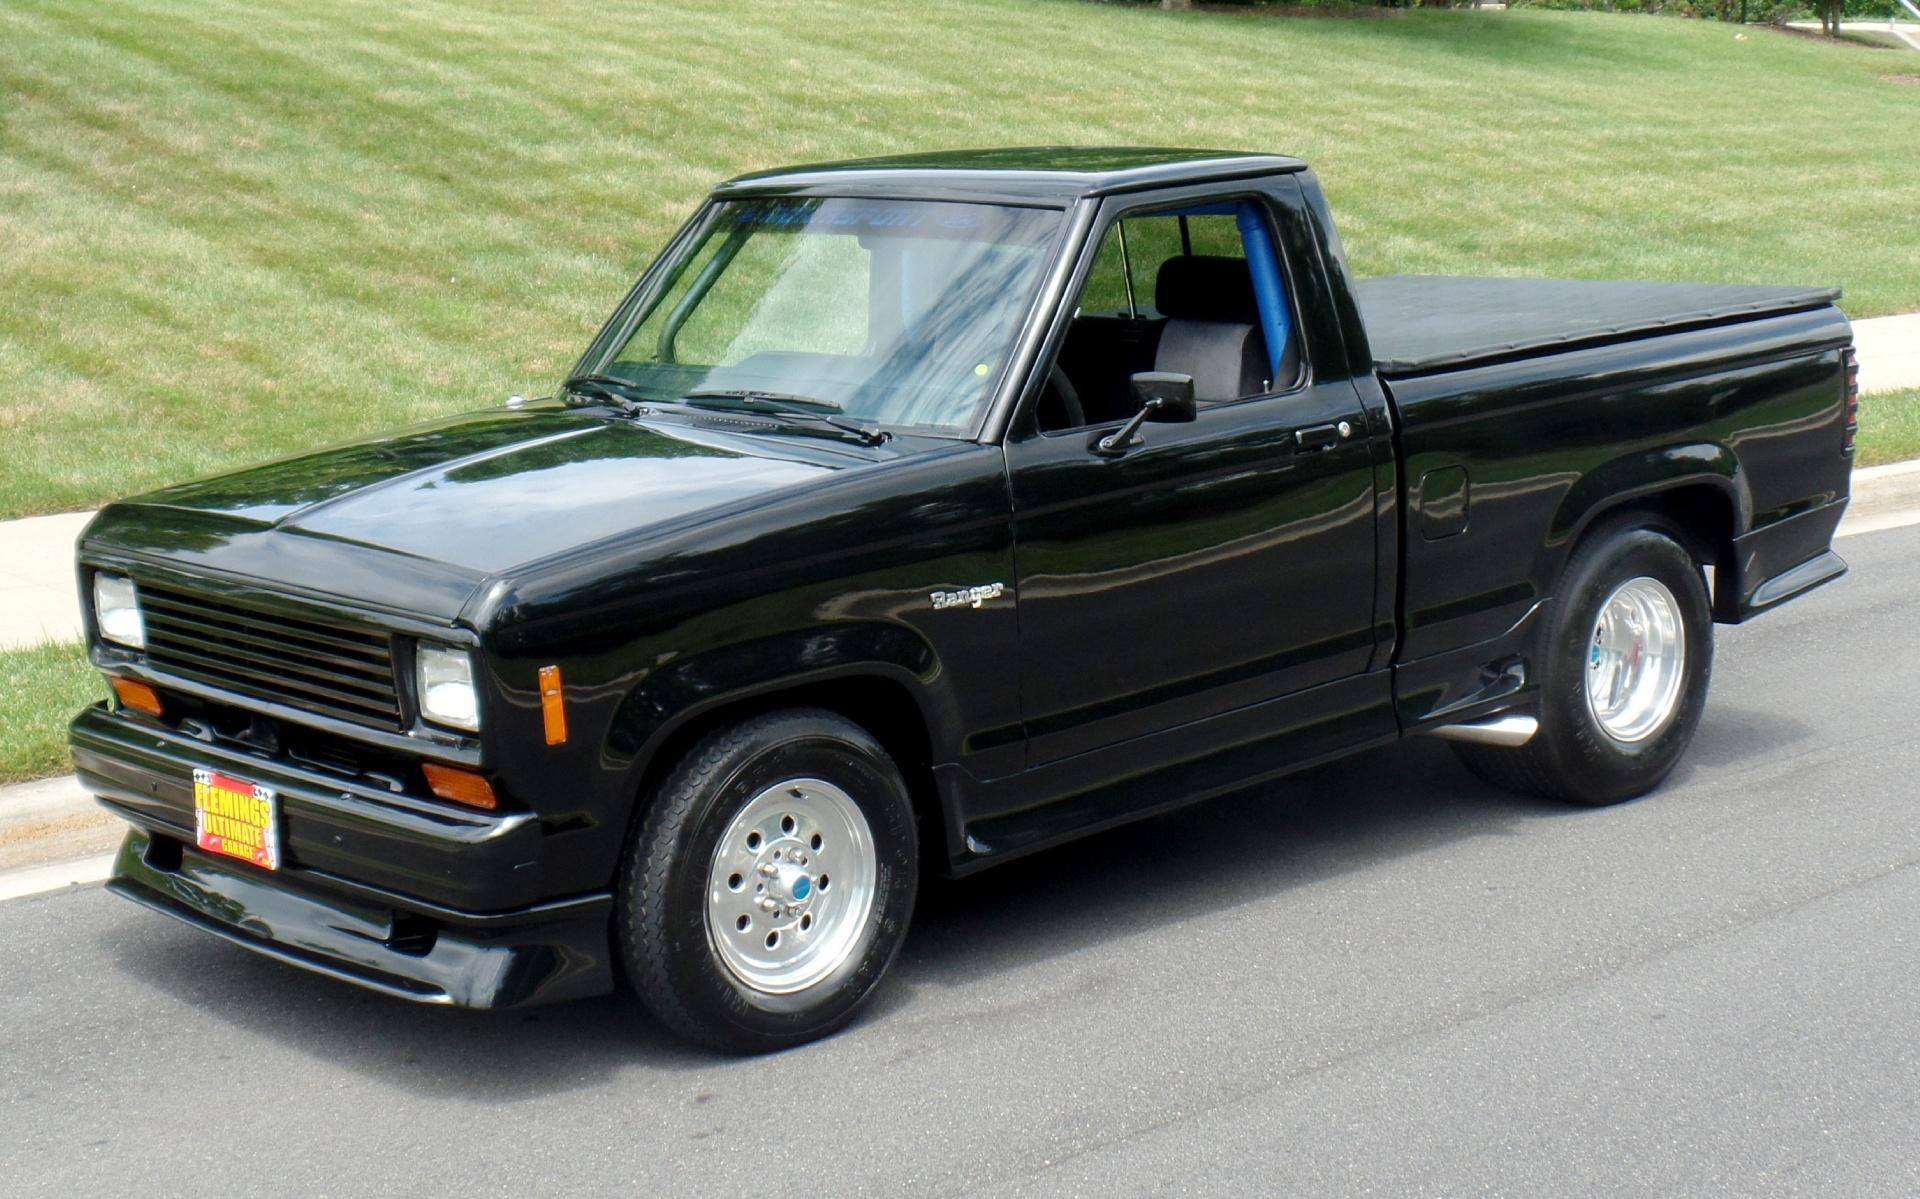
x: 1623, y: 669
x: 770, y: 883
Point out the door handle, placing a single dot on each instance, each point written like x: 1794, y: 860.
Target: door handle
x: 1321, y: 437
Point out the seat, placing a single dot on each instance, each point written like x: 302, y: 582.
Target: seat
x: 1213, y: 327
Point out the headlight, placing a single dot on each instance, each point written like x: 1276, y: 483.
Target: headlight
x: 445, y: 686
x: 116, y: 610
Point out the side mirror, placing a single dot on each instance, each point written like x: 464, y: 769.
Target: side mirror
x: 1164, y: 397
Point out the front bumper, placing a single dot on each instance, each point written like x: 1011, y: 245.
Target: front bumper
x: 374, y: 889
x: 504, y: 960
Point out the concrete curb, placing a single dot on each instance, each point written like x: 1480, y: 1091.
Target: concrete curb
x: 52, y: 834
x: 55, y: 876
x: 1884, y: 497
x: 44, y: 799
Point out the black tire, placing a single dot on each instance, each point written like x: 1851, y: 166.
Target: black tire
x: 661, y: 900
x: 1572, y: 758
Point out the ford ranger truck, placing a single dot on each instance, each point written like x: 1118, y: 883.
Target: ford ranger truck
x: 915, y: 514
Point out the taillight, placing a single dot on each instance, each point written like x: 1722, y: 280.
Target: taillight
x: 1852, y: 362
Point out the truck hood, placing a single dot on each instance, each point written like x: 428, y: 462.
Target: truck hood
x: 415, y: 519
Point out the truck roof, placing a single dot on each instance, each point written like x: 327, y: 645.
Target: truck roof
x: 1022, y: 174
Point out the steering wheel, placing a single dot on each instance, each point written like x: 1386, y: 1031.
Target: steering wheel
x: 1060, y: 388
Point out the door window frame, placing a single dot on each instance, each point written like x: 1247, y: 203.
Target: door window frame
x: 1024, y: 423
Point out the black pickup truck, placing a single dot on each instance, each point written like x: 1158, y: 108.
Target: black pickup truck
x: 919, y: 513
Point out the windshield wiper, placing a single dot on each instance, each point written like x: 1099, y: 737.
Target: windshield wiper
x: 605, y: 387
x: 864, y: 434
x: 820, y: 415
x: 762, y: 401
x: 817, y: 414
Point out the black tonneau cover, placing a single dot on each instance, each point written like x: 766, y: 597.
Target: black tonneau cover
x: 1421, y: 323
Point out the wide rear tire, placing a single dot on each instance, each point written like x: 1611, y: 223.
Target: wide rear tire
x: 1623, y: 667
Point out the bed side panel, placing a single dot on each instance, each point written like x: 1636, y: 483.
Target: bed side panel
x: 1753, y: 410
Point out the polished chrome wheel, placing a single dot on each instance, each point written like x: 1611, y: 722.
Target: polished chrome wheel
x: 791, y: 886
x: 1636, y: 660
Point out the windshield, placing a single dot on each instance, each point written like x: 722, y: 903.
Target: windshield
x: 894, y: 312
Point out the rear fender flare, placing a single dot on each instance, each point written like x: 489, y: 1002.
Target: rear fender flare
x: 1622, y: 481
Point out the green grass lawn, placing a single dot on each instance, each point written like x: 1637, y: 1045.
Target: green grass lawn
x: 44, y: 687
x: 231, y: 229
x: 1889, y: 428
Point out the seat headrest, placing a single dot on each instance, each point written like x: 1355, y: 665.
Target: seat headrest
x: 1199, y: 287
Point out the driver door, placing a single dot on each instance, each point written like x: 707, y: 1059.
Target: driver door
x: 1214, y: 564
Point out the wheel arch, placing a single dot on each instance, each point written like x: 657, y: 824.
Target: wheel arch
x: 1697, y: 489
x: 880, y: 697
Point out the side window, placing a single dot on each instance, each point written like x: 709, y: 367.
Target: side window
x: 1109, y: 288
x: 1160, y: 238
x: 1169, y: 291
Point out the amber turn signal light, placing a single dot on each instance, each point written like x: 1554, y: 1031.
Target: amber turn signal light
x: 460, y: 786
x: 553, y: 707
x: 136, y: 695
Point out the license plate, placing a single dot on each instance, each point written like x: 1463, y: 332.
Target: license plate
x: 234, y: 817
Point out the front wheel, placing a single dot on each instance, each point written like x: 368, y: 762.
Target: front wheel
x: 1623, y: 669
x: 770, y: 882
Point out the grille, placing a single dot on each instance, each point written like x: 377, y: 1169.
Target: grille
x: 332, y: 670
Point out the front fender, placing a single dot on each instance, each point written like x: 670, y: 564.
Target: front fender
x: 682, y: 690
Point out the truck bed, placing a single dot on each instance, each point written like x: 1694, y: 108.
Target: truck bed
x: 1418, y: 324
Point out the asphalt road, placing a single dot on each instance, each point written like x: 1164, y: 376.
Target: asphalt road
x: 1379, y: 978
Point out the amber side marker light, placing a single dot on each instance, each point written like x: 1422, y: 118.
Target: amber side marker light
x: 553, y: 707
x: 460, y: 786
x: 136, y: 695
